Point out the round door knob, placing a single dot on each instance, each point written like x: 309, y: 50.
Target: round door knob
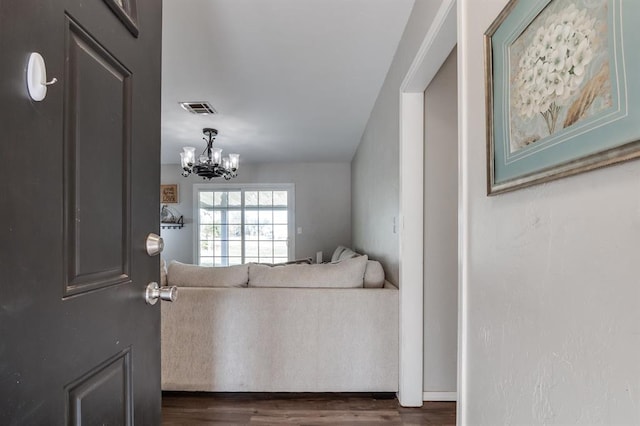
x: 154, y: 292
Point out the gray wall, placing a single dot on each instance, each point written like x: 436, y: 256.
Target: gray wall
x: 374, y: 169
x: 551, y: 321
x: 323, y: 205
x: 441, y: 230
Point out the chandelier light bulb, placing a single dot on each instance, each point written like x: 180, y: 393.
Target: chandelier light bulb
x: 234, y: 160
x: 189, y: 155
x: 216, y: 154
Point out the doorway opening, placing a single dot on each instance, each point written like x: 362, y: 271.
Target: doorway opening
x: 441, y: 234
x: 415, y: 236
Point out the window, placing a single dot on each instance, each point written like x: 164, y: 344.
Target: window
x: 244, y: 223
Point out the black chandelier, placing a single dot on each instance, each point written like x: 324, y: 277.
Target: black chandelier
x: 210, y: 163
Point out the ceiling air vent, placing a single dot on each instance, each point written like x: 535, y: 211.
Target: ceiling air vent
x: 199, y: 107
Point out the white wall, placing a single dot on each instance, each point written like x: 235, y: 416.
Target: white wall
x: 374, y: 169
x: 441, y: 231
x: 551, y: 287
x: 323, y: 205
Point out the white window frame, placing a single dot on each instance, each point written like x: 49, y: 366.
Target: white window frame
x: 291, y: 214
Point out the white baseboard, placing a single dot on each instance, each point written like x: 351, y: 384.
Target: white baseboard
x: 439, y: 396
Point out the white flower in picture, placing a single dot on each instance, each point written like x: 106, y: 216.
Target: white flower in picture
x: 552, y: 61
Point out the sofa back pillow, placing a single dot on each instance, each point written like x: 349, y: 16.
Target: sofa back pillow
x: 347, y: 253
x: 337, y: 252
x: 373, y: 275
x: 345, y: 274
x: 185, y: 275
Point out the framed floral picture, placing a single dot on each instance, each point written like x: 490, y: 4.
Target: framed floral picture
x: 562, y: 86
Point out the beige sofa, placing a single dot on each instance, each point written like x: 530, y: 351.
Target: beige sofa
x: 258, y: 328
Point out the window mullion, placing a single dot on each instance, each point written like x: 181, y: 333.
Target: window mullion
x: 242, y: 239
x: 224, y: 234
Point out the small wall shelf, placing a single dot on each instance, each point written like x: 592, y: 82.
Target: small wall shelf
x: 179, y: 224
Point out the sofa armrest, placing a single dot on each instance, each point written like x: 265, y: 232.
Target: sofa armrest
x: 389, y: 285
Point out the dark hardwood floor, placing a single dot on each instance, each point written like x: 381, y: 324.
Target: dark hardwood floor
x: 186, y: 408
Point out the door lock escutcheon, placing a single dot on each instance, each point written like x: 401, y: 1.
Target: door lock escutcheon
x: 154, y: 244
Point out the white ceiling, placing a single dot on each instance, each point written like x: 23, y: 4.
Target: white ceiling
x: 292, y: 80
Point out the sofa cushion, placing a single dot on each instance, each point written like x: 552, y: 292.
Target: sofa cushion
x: 347, y: 253
x: 345, y: 274
x: 182, y: 274
x: 336, y: 254
x: 373, y: 275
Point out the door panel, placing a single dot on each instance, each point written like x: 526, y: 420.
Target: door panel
x: 79, y: 177
x: 103, y: 396
x: 97, y: 140
x: 125, y: 10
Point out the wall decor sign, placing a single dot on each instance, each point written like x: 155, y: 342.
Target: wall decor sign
x: 169, y: 194
x: 562, y: 89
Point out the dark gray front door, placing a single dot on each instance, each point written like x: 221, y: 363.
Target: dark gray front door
x: 79, y: 176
